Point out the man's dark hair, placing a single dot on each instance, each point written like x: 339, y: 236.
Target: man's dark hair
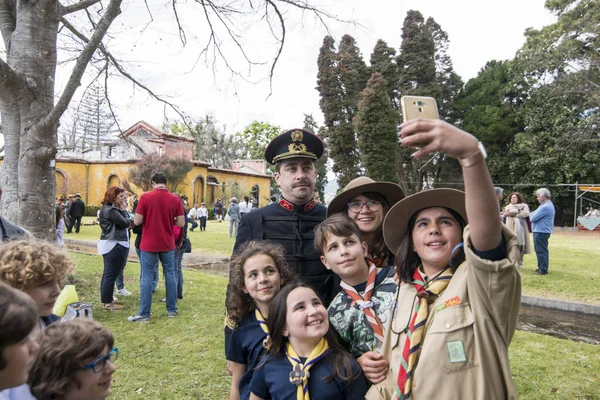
x: 159, y: 178
x: 246, y: 199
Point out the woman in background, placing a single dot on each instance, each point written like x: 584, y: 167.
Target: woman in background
x: 515, y: 218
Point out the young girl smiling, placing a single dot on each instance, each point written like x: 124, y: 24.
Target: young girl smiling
x: 459, y: 299
x: 258, y: 272
x: 304, y: 357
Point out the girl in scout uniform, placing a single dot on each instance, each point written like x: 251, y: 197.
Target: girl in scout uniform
x: 304, y: 361
x: 460, y: 292
x: 257, y: 274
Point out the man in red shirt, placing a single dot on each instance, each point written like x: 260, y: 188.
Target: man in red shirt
x: 158, y: 211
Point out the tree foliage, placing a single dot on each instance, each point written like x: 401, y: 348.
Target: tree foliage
x: 321, y: 165
x: 425, y: 69
x: 211, y: 143
x: 342, y: 76
x: 383, y: 60
x: 376, y: 123
x: 175, y: 169
x: 255, y: 138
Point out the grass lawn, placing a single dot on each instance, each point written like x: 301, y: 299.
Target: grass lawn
x: 183, y: 357
x: 574, y: 271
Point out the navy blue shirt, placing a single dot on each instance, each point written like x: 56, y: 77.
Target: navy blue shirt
x: 271, y: 380
x: 246, y: 347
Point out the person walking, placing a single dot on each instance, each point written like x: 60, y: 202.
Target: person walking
x: 235, y: 215
x: 76, y: 212
x: 158, y: 211
x: 542, y: 223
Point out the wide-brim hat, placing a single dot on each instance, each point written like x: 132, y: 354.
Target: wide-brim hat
x: 395, y: 224
x: 391, y: 191
x: 294, y: 143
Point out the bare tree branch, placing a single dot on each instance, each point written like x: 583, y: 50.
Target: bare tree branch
x: 179, y: 27
x: 7, y: 21
x: 112, y: 11
x: 281, y: 43
x: 108, y: 98
x: 123, y: 72
x: 83, y: 4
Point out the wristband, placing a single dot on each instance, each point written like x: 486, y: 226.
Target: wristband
x: 473, y: 159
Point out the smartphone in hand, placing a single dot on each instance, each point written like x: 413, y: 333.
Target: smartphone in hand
x: 414, y: 107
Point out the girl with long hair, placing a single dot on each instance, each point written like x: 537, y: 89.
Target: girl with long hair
x: 258, y: 272
x: 304, y: 358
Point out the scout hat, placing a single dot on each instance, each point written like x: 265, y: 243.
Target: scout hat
x: 294, y: 143
x: 395, y: 224
x: 391, y: 191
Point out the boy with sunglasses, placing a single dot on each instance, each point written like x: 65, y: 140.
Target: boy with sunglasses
x: 360, y: 311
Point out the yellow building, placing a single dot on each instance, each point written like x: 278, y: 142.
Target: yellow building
x: 91, y: 172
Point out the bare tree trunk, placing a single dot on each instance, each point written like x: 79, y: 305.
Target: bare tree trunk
x: 29, y: 116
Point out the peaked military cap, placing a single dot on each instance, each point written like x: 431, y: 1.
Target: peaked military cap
x: 294, y: 143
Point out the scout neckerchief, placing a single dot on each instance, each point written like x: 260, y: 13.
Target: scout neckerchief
x: 263, y: 325
x: 365, y: 303
x: 426, y: 294
x: 299, y: 375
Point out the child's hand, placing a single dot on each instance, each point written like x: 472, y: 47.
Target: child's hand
x: 433, y: 135
x: 374, y: 366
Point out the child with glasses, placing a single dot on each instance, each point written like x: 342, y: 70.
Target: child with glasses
x: 360, y: 312
x: 75, y: 361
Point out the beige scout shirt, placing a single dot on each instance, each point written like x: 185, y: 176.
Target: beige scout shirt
x: 464, y: 352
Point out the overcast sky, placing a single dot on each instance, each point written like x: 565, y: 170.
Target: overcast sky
x: 479, y: 31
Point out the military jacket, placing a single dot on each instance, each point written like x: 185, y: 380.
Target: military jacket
x: 293, y: 227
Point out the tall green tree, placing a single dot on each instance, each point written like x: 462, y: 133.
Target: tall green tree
x: 416, y: 60
x: 340, y: 132
x: 425, y: 69
x: 559, y: 70
x: 375, y: 124
x: 487, y: 109
x: 321, y: 165
x: 383, y: 60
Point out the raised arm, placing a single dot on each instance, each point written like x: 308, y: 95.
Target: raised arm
x: 482, y: 206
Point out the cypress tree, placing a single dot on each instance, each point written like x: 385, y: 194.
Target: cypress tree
x: 375, y: 124
x: 341, y: 77
x: 321, y: 165
x: 383, y: 60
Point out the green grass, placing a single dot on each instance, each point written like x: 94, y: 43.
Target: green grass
x: 183, y: 357
x: 574, y: 272
x: 573, y: 275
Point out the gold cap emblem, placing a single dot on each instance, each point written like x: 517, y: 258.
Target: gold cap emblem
x: 297, y: 136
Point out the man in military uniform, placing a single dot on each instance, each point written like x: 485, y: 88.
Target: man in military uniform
x: 291, y: 221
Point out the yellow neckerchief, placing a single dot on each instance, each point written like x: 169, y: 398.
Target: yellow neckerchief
x: 263, y: 325
x: 299, y: 375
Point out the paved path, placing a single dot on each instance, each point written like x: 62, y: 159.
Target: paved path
x: 205, y: 262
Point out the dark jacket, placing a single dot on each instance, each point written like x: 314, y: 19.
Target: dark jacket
x: 114, y: 223
x: 77, y: 208
x: 292, y: 227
